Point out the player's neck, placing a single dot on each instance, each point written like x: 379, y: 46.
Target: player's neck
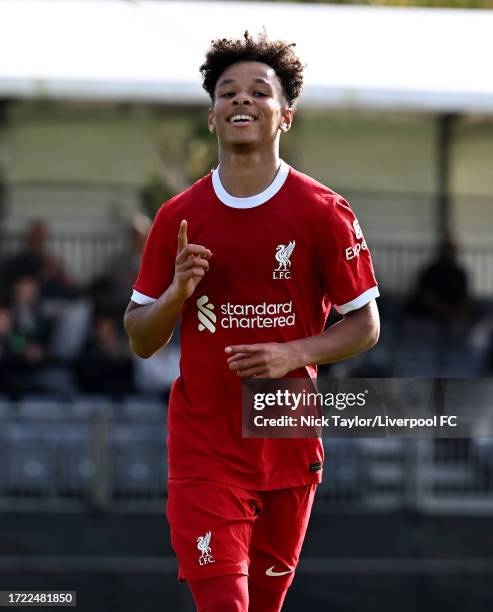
x: 246, y: 174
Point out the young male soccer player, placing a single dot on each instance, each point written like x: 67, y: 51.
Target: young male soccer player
x: 251, y: 257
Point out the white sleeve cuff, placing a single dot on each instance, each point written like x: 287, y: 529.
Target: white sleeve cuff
x: 359, y: 302
x: 140, y: 298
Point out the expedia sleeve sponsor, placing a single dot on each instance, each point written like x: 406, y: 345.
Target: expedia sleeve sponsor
x: 353, y: 251
x: 346, y: 268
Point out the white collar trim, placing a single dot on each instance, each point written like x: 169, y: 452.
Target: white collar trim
x: 254, y: 200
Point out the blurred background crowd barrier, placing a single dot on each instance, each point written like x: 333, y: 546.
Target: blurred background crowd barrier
x: 98, y: 455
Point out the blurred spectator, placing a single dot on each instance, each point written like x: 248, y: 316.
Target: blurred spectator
x: 104, y: 365
x: 442, y: 289
x: 72, y: 323
x: 55, y: 284
x: 25, y: 336
x: 30, y: 260
x: 156, y: 374
x: 28, y: 320
x: 35, y: 260
x: 7, y: 350
x: 113, y: 290
x: 482, y: 343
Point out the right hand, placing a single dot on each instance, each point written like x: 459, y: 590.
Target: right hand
x: 191, y: 264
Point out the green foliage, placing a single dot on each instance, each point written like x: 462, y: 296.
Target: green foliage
x: 463, y: 4
x: 183, y: 151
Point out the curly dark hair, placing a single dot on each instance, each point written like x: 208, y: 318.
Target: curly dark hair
x: 277, y: 54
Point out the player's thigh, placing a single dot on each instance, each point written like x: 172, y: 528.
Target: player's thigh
x: 278, y: 535
x: 211, y: 526
x: 221, y: 594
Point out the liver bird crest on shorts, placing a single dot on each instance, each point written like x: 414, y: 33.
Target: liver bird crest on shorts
x: 203, y: 544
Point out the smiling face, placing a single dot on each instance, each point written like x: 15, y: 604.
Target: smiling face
x: 249, y: 110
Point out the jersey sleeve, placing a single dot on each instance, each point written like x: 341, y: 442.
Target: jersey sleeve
x: 346, y: 267
x: 157, y: 266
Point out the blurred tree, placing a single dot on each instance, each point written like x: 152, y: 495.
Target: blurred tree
x: 201, y: 150
x: 464, y: 4
x: 174, y: 168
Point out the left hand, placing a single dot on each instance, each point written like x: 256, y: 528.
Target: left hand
x: 266, y: 360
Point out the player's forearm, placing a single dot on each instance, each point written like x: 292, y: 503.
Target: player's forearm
x: 355, y: 333
x: 150, y: 327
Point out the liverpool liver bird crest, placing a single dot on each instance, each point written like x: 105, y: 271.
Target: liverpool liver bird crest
x: 283, y: 254
x: 203, y: 544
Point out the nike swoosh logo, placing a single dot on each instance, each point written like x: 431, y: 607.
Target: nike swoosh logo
x: 271, y: 572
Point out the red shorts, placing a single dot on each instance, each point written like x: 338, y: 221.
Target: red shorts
x: 218, y: 529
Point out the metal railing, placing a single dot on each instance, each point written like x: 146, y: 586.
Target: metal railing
x: 112, y: 457
x: 84, y: 256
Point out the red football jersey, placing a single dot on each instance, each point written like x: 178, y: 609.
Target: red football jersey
x: 280, y: 259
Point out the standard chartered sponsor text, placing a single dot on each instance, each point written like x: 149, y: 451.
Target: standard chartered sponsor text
x: 261, y: 315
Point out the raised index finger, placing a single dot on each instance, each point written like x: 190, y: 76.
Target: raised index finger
x: 182, y: 236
